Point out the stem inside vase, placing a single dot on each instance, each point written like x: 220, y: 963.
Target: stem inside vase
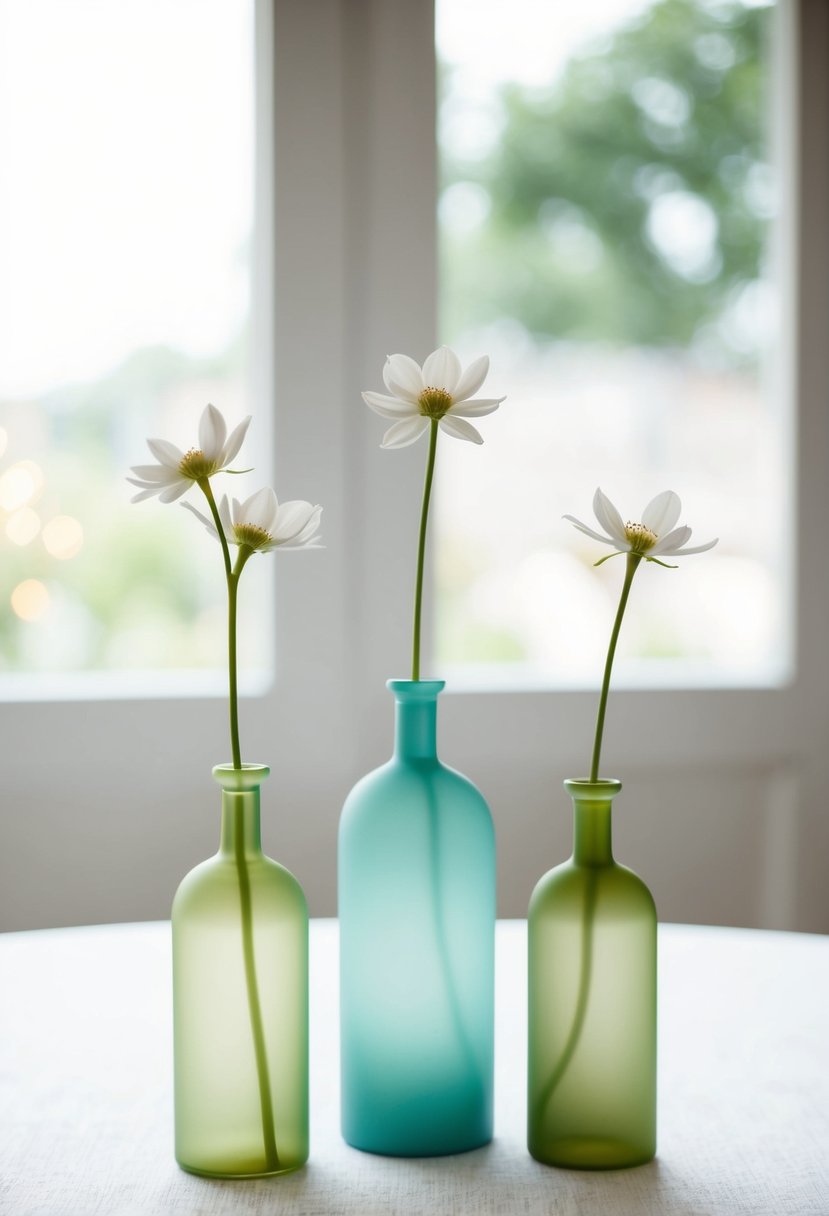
x: 440, y: 935
x: 272, y: 1162
x: 582, y: 998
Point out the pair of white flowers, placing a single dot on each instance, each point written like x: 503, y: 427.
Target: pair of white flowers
x: 261, y: 522
x: 440, y: 391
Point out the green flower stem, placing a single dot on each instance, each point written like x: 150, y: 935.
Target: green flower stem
x: 254, y: 1005
x: 434, y: 840
x: 205, y: 487
x: 232, y: 577
x: 421, y: 548
x: 233, y: 697
x: 440, y: 936
x: 581, y: 998
x: 633, y: 560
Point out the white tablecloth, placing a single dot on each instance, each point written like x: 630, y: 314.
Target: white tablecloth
x: 86, y: 1105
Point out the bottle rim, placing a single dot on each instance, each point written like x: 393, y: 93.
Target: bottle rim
x: 239, y: 780
x: 415, y: 690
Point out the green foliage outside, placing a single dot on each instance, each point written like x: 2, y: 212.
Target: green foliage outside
x: 666, y: 119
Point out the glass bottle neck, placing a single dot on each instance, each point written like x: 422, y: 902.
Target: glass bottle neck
x: 415, y: 718
x: 415, y: 731
x: 592, y: 845
x: 240, y: 808
x: 592, y: 803
x: 240, y: 834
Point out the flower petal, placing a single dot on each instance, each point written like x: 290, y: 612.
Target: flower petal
x: 697, y: 548
x: 175, y: 491
x: 225, y: 517
x: 390, y: 407
x: 662, y: 512
x: 458, y: 429
x: 166, y: 453
x: 160, y: 473
x: 144, y: 493
x: 609, y: 518
x: 311, y: 543
x: 671, y: 542
x: 260, y: 509
x: 403, y: 378
x: 308, y: 538
x: 212, y: 432
x: 208, y: 523
x: 605, y: 540
x: 305, y: 535
x: 310, y: 529
x: 403, y: 433
x: 442, y: 369
x: 237, y: 435
x: 472, y: 379
x: 475, y: 409
x: 291, y: 518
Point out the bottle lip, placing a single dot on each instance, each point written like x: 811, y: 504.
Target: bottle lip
x: 592, y: 791
x: 415, y: 690
x: 239, y: 780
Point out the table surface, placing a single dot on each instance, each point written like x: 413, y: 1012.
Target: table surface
x: 86, y: 1102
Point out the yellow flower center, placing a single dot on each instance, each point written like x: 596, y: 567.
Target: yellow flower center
x: 641, y: 538
x: 252, y: 536
x: 434, y: 402
x: 195, y: 465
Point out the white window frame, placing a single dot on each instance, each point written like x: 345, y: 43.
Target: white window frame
x: 110, y: 801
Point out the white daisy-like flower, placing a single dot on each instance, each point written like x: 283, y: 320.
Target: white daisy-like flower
x: 262, y: 523
x: 439, y: 391
x: 655, y: 537
x: 176, y: 471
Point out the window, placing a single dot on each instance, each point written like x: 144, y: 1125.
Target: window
x: 126, y: 252
x: 606, y: 225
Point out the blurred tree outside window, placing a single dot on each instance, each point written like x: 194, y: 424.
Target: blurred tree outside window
x: 127, y: 146
x: 606, y: 212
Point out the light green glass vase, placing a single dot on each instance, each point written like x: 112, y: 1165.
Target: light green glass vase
x: 592, y: 1002
x: 240, y: 997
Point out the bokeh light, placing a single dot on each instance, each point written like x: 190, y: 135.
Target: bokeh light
x: 30, y: 600
x: 63, y: 537
x: 23, y: 526
x: 20, y: 484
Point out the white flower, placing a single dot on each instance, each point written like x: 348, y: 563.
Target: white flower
x: 262, y: 523
x: 176, y: 470
x: 440, y: 390
x: 653, y: 538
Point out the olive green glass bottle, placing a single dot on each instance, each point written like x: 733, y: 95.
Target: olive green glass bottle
x: 592, y: 1002
x: 240, y: 997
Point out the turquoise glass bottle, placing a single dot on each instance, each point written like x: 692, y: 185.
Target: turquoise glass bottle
x: 592, y: 1002
x: 240, y: 1001
x: 417, y: 923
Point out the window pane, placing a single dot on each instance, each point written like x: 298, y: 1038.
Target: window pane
x: 126, y: 146
x: 605, y: 215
